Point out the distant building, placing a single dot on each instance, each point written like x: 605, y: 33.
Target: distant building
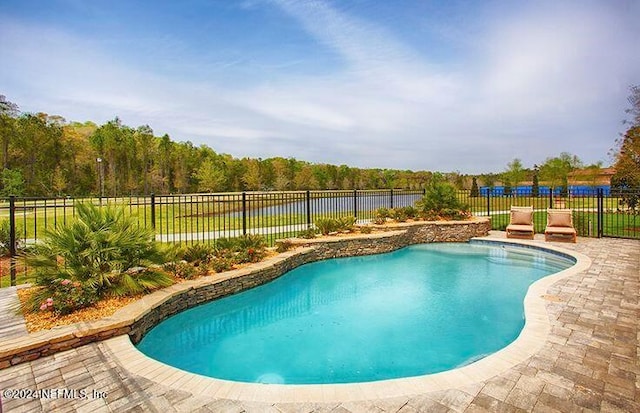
x: 591, y: 177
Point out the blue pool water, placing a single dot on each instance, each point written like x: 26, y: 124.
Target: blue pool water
x: 423, y: 309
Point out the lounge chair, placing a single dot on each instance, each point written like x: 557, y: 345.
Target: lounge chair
x: 521, y: 223
x: 560, y: 226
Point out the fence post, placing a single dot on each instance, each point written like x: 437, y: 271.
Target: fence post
x: 12, y: 239
x: 244, y: 213
x: 488, y: 202
x: 355, y: 203
x: 550, y: 197
x: 600, y: 213
x: 153, y: 211
x: 391, y: 196
x: 308, y: 199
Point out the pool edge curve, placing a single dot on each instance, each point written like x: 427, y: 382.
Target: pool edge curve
x: 530, y: 340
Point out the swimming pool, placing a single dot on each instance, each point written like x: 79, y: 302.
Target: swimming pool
x: 423, y: 309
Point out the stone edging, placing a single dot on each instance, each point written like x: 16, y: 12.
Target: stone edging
x: 137, y: 318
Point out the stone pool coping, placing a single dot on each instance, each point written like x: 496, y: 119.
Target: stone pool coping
x: 138, y: 317
x: 529, y: 342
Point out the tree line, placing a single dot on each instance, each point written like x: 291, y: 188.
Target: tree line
x: 44, y: 155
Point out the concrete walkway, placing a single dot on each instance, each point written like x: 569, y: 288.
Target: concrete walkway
x: 589, y: 362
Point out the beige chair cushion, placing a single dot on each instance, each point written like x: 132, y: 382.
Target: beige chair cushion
x: 521, y: 217
x: 559, y: 218
x: 560, y: 230
x: 520, y: 228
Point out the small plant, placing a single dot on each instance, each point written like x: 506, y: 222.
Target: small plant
x: 455, y: 214
x: 220, y: 264
x: 428, y: 215
x: 185, y: 262
x: 250, y: 255
x: 380, y: 216
x: 327, y: 225
x: 284, y: 245
x: 224, y: 246
x: 185, y: 270
x: 398, y: 215
x: 254, y: 241
x: 410, y: 212
x: 64, y: 297
x: 247, y: 248
x: 198, y: 254
x: 345, y: 223
x: 366, y: 230
x: 308, y: 233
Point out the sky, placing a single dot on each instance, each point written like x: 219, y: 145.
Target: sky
x: 435, y: 85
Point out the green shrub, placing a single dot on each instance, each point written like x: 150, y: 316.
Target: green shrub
x: 223, y: 246
x: 440, y: 201
x: 172, y: 252
x: 326, y: 225
x: 198, y: 254
x: 254, y: 241
x: 365, y: 230
x: 186, y: 270
x: 410, y: 212
x: 284, y: 245
x: 345, y: 223
x: 455, y: 214
x: 250, y: 255
x: 429, y: 215
x: 403, y: 213
x: 380, y: 216
x: 103, y: 250
x: 329, y: 225
x: 308, y: 233
x: 398, y: 214
x: 247, y: 248
x: 64, y: 297
x: 220, y: 264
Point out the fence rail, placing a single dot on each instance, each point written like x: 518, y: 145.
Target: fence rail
x: 596, y: 212
x: 208, y: 217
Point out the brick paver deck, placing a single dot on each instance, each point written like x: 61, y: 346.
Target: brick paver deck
x: 589, y: 362
x: 11, y: 322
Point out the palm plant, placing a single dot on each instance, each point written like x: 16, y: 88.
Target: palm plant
x: 102, y: 251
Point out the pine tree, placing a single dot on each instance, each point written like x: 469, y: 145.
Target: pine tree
x: 474, y: 188
x: 535, y: 187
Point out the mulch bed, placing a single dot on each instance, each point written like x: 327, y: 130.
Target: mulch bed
x: 45, y: 320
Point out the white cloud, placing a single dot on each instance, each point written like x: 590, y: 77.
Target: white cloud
x: 542, y: 80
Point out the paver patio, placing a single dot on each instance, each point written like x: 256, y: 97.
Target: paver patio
x: 589, y: 362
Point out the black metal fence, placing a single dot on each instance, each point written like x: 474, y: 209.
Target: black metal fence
x: 208, y: 217
x: 595, y: 212
x: 198, y: 218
